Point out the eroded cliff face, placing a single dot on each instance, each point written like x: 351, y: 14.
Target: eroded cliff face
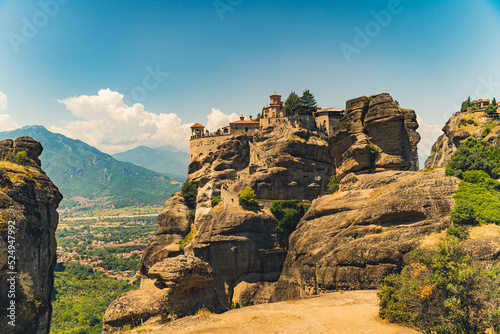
x: 28, y: 203
x: 458, y: 128
x: 354, y: 238
x: 375, y: 135
x: 241, y: 247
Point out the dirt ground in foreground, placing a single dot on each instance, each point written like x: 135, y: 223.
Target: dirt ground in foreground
x: 348, y: 312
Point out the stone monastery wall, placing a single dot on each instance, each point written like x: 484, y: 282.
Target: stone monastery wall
x: 306, y: 122
x: 199, y: 147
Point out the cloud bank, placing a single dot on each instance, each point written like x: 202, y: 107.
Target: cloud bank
x: 429, y: 134
x: 217, y: 120
x: 108, y: 123
x: 6, y: 121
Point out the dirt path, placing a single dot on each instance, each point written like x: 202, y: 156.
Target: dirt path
x: 349, y: 312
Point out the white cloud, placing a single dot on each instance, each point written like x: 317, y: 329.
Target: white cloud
x: 3, y: 101
x: 6, y: 123
x: 108, y: 123
x: 429, y: 134
x: 217, y: 119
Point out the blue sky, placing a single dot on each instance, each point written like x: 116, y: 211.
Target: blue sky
x: 226, y: 57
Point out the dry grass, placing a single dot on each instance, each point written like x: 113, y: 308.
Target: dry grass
x: 18, y: 173
x: 481, y: 120
x: 484, y: 231
x: 431, y: 240
x: 295, y: 301
x: 204, y: 311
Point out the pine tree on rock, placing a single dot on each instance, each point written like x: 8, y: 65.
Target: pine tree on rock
x: 292, y: 104
x: 308, y: 102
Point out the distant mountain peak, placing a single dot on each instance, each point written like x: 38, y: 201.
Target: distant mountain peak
x: 81, y: 171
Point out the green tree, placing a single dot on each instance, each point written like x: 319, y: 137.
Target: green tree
x: 477, y: 199
x: 333, y: 185
x: 308, y: 102
x: 442, y: 290
x: 475, y: 155
x: 287, y: 215
x: 464, y: 214
x: 248, y: 197
x: 215, y: 201
x: 292, y: 103
x: 494, y: 102
x: 491, y: 109
x: 466, y: 104
x: 189, y: 192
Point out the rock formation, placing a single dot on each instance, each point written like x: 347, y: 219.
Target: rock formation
x: 458, y: 128
x: 176, y: 287
x: 173, y: 225
x: 240, y: 245
x: 375, y: 135
x: 28, y: 202
x: 354, y: 238
x: 289, y: 163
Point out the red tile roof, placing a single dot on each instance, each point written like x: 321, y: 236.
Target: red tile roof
x: 197, y: 125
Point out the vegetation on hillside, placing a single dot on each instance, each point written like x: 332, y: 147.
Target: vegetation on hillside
x: 287, y: 215
x: 248, y: 198
x: 475, y: 155
x: 443, y: 290
x: 333, y: 185
x: 189, y: 192
x: 215, y: 201
x: 80, y: 299
x: 20, y: 158
x: 477, y: 199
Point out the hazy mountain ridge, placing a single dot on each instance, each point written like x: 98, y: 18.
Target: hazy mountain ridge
x: 164, y: 159
x: 86, y: 175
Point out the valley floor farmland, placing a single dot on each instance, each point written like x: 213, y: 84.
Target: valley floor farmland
x: 98, y: 258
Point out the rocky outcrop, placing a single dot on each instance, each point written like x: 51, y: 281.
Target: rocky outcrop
x: 173, y: 225
x: 232, y: 247
x: 32, y: 148
x: 287, y: 163
x: 354, y: 238
x: 299, y: 163
x: 458, y: 128
x: 484, y: 250
x: 240, y: 246
x: 375, y: 135
x: 165, y: 272
x: 28, y: 220
x: 176, y: 287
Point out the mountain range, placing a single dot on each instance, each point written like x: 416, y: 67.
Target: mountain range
x: 164, y: 159
x: 86, y: 176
